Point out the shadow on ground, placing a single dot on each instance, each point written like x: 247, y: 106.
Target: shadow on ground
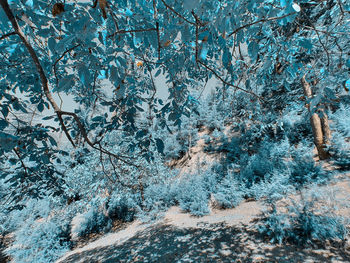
x: 210, y: 243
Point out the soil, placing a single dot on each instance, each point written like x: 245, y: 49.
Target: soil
x: 222, y: 236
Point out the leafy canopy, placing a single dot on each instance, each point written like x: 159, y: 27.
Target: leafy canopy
x: 108, y: 58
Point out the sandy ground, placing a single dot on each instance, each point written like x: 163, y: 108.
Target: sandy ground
x: 222, y: 236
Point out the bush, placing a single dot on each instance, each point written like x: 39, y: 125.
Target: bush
x: 303, y: 168
x: 43, y: 240
x: 270, y: 157
x: 276, y: 226
x: 310, y: 220
x: 122, y: 206
x: 193, y: 196
x: 340, y: 148
x: 91, y: 221
x: 340, y: 151
x: 275, y: 187
x: 229, y: 192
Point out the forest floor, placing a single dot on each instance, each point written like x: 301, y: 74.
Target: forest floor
x: 222, y: 236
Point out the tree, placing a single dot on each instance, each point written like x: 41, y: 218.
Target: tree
x: 260, y: 49
x: 269, y: 58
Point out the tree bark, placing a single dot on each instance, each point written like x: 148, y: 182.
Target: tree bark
x: 325, y: 129
x: 318, y: 136
x: 320, y: 126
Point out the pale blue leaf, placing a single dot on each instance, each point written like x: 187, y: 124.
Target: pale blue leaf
x: 204, y: 53
x: 253, y: 50
x: 160, y: 145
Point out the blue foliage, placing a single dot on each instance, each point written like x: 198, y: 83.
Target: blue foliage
x: 229, y: 192
x: 122, y: 206
x: 92, y: 221
x: 193, y: 196
x: 304, y: 170
x: 40, y: 241
x: 340, y: 149
x: 304, y: 222
x: 41, y: 234
x: 256, y: 123
x: 158, y: 197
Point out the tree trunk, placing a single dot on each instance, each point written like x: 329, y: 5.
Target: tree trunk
x: 318, y: 136
x: 320, y: 126
x: 325, y: 129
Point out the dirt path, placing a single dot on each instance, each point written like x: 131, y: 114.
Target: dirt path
x: 222, y: 236
x: 209, y: 243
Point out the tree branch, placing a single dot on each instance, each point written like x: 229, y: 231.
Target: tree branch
x: 57, y: 60
x: 131, y: 31
x: 7, y: 35
x: 229, y: 84
x: 88, y: 141
x: 43, y: 79
x: 260, y: 21
x: 155, y: 15
x: 44, y: 82
x: 176, y: 13
x: 197, y: 32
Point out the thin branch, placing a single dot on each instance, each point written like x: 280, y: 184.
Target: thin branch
x: 319, y: 39
x: 158, y: 39
x: 341, y: 7
x: 22, y: 163
x: 203, y: 89
x: 155, y: 16
x: 57, y: 60
x: 176, y: 13
x: 197, y: 32
x: 88, y: 141
x: 329, y: 33
x: 131, y: 31
x: 260, y: 21
x: 64, y: 128
x: 103, y: 167
x: 229, y: 84
x: 322, y: 44
x: 7, y: 35
x: 150, y: 105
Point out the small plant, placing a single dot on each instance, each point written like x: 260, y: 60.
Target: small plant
x: 91, y: 222
x: 276, y: 226
x: 122, y: 207
x: 275, y: 187
x: 193, y: 196
x: 229, y: 193
x: 340, y: 148
x: 43, y: 240
x: 309, y: 220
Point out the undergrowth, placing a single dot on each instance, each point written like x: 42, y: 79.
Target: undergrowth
x: 263, y: 159
x: 312, y: 219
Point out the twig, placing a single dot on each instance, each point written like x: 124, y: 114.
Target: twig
x: 229, y: 84
x: 131, y: 31
x: 197, y: 29
x: 150, y: 106
x: 22, y: 163
x: 319, y: 39
x: 261, y: 21
x: 176, y: 13
x: 7, y: 35
x: 341, y: 7
x: 155, y: 16
x: 158, y: 39
x: 57, y: 60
